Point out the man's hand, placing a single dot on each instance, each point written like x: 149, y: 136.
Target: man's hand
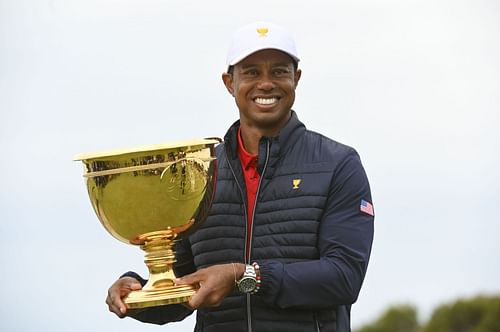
x: 214, y: 283
x: 121, y: 288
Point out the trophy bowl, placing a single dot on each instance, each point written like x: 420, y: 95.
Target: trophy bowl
x: 150, y: 197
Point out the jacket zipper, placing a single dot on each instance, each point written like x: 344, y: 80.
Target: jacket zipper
x: 247, y: 259
x: 317, y: 323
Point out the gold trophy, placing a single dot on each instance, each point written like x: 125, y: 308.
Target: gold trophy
x: 149, y: 196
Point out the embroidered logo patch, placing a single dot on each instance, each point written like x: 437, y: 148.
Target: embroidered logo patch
x: 262, y: 32
x: 296, y: 183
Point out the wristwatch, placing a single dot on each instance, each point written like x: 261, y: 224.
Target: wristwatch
x: 248, y: 283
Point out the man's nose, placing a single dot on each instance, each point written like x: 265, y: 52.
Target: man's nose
x: 266, y: 83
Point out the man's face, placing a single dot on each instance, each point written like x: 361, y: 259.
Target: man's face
x: 263, y: 85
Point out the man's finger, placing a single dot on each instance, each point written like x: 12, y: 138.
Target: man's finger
x: 197, y: 299
x: 190, y: 279
x: 126, y: 289
x: 117, y: 292
x: 122, y: 307
x: 116, y: 304
x: 114, y: 307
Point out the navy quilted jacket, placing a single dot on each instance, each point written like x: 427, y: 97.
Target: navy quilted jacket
x: 309, y: 236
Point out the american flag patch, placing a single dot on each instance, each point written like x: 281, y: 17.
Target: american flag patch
x: 366, y: 207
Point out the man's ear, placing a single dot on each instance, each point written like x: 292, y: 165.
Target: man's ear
x: 228, y: 82
x: 298, y: 74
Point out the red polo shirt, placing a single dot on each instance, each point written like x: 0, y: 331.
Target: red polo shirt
x: 252, y: 177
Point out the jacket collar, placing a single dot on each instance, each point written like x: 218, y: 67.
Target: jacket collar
x: 278, y: 145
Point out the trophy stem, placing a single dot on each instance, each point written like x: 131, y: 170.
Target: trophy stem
x: 160, y: 288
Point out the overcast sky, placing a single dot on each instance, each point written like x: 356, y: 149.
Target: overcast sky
x: 414, y: 86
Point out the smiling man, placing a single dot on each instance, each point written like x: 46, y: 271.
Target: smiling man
x: 287, y: 241
x: 263, y: 85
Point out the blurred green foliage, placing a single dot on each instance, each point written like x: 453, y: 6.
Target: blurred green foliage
x: 478, y: 314
x: 395, y: 319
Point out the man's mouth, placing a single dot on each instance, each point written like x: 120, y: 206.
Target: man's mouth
x: 266, y: 101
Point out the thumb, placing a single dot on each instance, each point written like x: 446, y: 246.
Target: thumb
x: 135, y: 286
x: 131, y: 283
x: 128, y: 282
x: 190, y: 279
x: 125, y: 289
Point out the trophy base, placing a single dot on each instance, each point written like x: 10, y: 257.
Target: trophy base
x: 157, y: 297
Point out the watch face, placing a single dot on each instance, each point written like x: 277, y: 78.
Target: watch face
x: 246, y: 285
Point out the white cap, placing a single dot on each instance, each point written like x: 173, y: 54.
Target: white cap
x: 260, y: 36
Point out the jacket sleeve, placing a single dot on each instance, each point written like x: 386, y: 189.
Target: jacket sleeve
x: 344, y: 244
x: 173, y: 312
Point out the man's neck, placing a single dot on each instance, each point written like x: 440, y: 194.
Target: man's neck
x: 251, y: 138
x: 251, y: 135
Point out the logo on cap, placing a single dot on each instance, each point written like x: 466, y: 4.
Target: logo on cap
x: 262, y: 32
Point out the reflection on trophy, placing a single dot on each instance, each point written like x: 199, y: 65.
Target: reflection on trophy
x: 150, y: 196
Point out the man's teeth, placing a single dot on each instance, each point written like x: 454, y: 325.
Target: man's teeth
x: 266, y: 101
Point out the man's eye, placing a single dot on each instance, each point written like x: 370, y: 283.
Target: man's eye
x: 251, y: 72
x: 280, y: 72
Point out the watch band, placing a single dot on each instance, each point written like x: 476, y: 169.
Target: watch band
x: 248, y: 282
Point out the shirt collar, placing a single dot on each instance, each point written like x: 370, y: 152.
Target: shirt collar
x: 247, y: 160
